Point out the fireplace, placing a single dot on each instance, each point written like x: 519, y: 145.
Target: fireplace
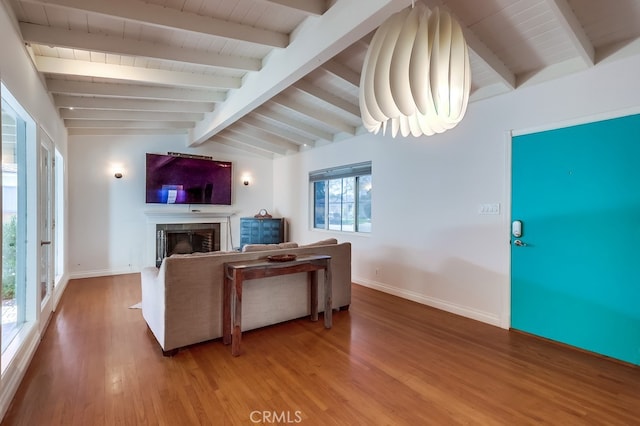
x: 170, y: 220
x: 185, y: 238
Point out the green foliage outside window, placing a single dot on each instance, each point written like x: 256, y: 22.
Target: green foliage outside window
x: 9, y: 259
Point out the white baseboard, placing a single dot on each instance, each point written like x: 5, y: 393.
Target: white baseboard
x: 100, y: 273
x: 59, y: 289
x: 443, y: 305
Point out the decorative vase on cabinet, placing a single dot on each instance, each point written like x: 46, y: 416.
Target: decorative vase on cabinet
x: 261, y: 231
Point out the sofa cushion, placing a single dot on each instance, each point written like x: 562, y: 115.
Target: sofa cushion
x: 205, y: 253
x: 263, y: 247
x: 189, y: 254
x: 322, y: 242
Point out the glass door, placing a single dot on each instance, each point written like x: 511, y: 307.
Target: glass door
x: 14, y: 291
x: 46, y: 271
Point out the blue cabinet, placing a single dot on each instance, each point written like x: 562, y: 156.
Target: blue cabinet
x: 261, y: 231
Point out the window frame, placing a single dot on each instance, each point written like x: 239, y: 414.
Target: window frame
x: 326, y: 177
x: 27, y: 301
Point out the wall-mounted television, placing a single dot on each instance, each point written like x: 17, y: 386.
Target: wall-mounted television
x: 185, y: 179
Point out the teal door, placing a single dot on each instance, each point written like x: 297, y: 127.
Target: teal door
x: 575, y: 278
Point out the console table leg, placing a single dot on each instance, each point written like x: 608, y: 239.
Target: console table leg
x: 328, y: 297
x: 237, y: 317
x: 226, y: 310
x: 313, y: 294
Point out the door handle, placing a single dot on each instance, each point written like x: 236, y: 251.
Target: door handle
x: 519, y: 243
x: 45, y: 243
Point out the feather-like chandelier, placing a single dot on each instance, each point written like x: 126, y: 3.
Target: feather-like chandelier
x: 416, y: 75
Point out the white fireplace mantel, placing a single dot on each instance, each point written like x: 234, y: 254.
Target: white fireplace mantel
x: 185, y: 215
x: 155, y: 217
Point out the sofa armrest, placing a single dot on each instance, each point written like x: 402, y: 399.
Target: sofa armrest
x: 153, y: 301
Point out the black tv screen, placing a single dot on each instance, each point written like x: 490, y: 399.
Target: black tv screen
x: 174, y: 179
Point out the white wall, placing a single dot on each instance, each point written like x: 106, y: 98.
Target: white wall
x: 107, y: 215
x: 429, y: 243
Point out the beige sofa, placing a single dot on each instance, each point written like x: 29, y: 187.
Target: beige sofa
x: 182, y: 300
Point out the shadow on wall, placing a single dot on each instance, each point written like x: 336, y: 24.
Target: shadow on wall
x: 449, y: 283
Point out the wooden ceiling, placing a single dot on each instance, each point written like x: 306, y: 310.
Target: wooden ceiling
x: 273, y: 77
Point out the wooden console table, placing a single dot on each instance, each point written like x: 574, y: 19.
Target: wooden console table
x: 235, y: 273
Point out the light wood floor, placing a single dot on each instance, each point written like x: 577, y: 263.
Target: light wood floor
x: 387, y: 361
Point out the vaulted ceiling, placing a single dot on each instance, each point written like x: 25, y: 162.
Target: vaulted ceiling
x: 272, y: 77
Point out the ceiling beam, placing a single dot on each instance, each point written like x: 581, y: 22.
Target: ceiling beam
x: 296, y: 126
x: 331, y: 99
x: 315, y: 114
x: 165, y: 17
x: 113, y: 114
x: 501, y: 72
x: 488, y: 91
x: 266, y: 126
x: 242, y: 146
x: 316, y: 41
x: 618, y: 50
x: 127, y: 124
x: 572, y: 27
x: 61, y: 37
x: 310, y: 7
x: 342, y: 71
x: 260, y: 134
x: 133, y: 91
x: 66, y: 101
x: 121, y: 131
x: 255, y: 142
x: 552, y: 72
x: 50, y: 65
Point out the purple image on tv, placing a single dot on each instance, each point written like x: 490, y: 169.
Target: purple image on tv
x: 182, y: 180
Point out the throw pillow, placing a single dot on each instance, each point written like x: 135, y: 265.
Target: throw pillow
x: 322, y: 242
x: 263, y: 247
x: 287, y: 245
x: 259, y: 247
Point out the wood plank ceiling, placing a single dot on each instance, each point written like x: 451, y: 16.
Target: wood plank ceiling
x: 272, y: 77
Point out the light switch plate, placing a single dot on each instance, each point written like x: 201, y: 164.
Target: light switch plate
x: 489, y: 208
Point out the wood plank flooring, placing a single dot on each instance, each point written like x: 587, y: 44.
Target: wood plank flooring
x: 386, y: 361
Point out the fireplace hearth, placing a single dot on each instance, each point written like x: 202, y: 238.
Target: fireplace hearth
x: 185, y: 238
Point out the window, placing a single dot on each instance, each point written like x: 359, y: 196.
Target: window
x: 342, y: 198
x: 14, y: 141
x: 18, y: 288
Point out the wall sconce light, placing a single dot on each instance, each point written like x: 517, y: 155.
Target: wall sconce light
x: 117, y: 170
x: 246, y: 180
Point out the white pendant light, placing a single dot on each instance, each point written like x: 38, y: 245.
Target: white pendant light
x: 416, y: 76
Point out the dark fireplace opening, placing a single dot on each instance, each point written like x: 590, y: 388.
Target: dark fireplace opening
x: 186, y: 238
